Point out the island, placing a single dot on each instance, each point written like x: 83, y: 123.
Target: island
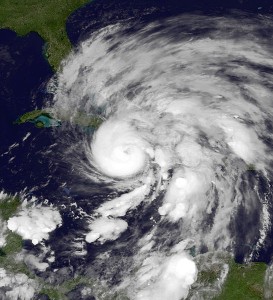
x: 44, y: 119
x: 40, y: 118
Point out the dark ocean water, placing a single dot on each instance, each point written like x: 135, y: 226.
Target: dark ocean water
x: 100, y: 13
x: 24, y: 75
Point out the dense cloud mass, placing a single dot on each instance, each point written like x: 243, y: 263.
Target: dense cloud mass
x: 35, y: 223
x: 187, y: 110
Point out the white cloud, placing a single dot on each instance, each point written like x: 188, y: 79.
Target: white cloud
x: 3, y: 224
x: 118, y: 207
x: 118, y: 150
x: 3, y: 195
x: 184, y: 192
x: 3, y: 230
x: 108, y: 226
x: 243, y: 141
x: 34, y: 262
x: 19, y: 286
x: 166, y: 278
x: 104, y: 229
x: 268, y: 282
x: 35, y: 223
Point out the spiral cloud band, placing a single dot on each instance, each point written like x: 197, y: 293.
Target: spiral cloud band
x: 187, y: 108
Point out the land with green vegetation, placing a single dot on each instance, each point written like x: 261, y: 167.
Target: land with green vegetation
x: 84, y: 120
x: 31, y: 116
x: 47, y: 18
x: 42, y: 119
x: 244, y: 281
x: 251, y: 167
x: 209, y: 276
x: 14, y: 243
x: 241, y: 281
x: 59, y: 292
x: 8, y: 207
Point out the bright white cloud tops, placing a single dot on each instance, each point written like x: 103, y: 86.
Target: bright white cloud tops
x: 104, y: 229
x: 166, y: 278
x: 35, y: 223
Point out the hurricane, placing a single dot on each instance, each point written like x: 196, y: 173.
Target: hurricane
x: 184, y: 149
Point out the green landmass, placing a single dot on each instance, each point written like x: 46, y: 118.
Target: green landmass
x: 47, y: 18
x: 8, y: 207
x: 42, y: 119
x: 209, y: 276
x: 251, y: 167
x: 84, y: 120
x: 59, y: 292
x: 52, y: 293
x: 14, y: 242
x: 244, y: 281
x: 31, y: 116
x: 12, y: 265
x: 14, y: 245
